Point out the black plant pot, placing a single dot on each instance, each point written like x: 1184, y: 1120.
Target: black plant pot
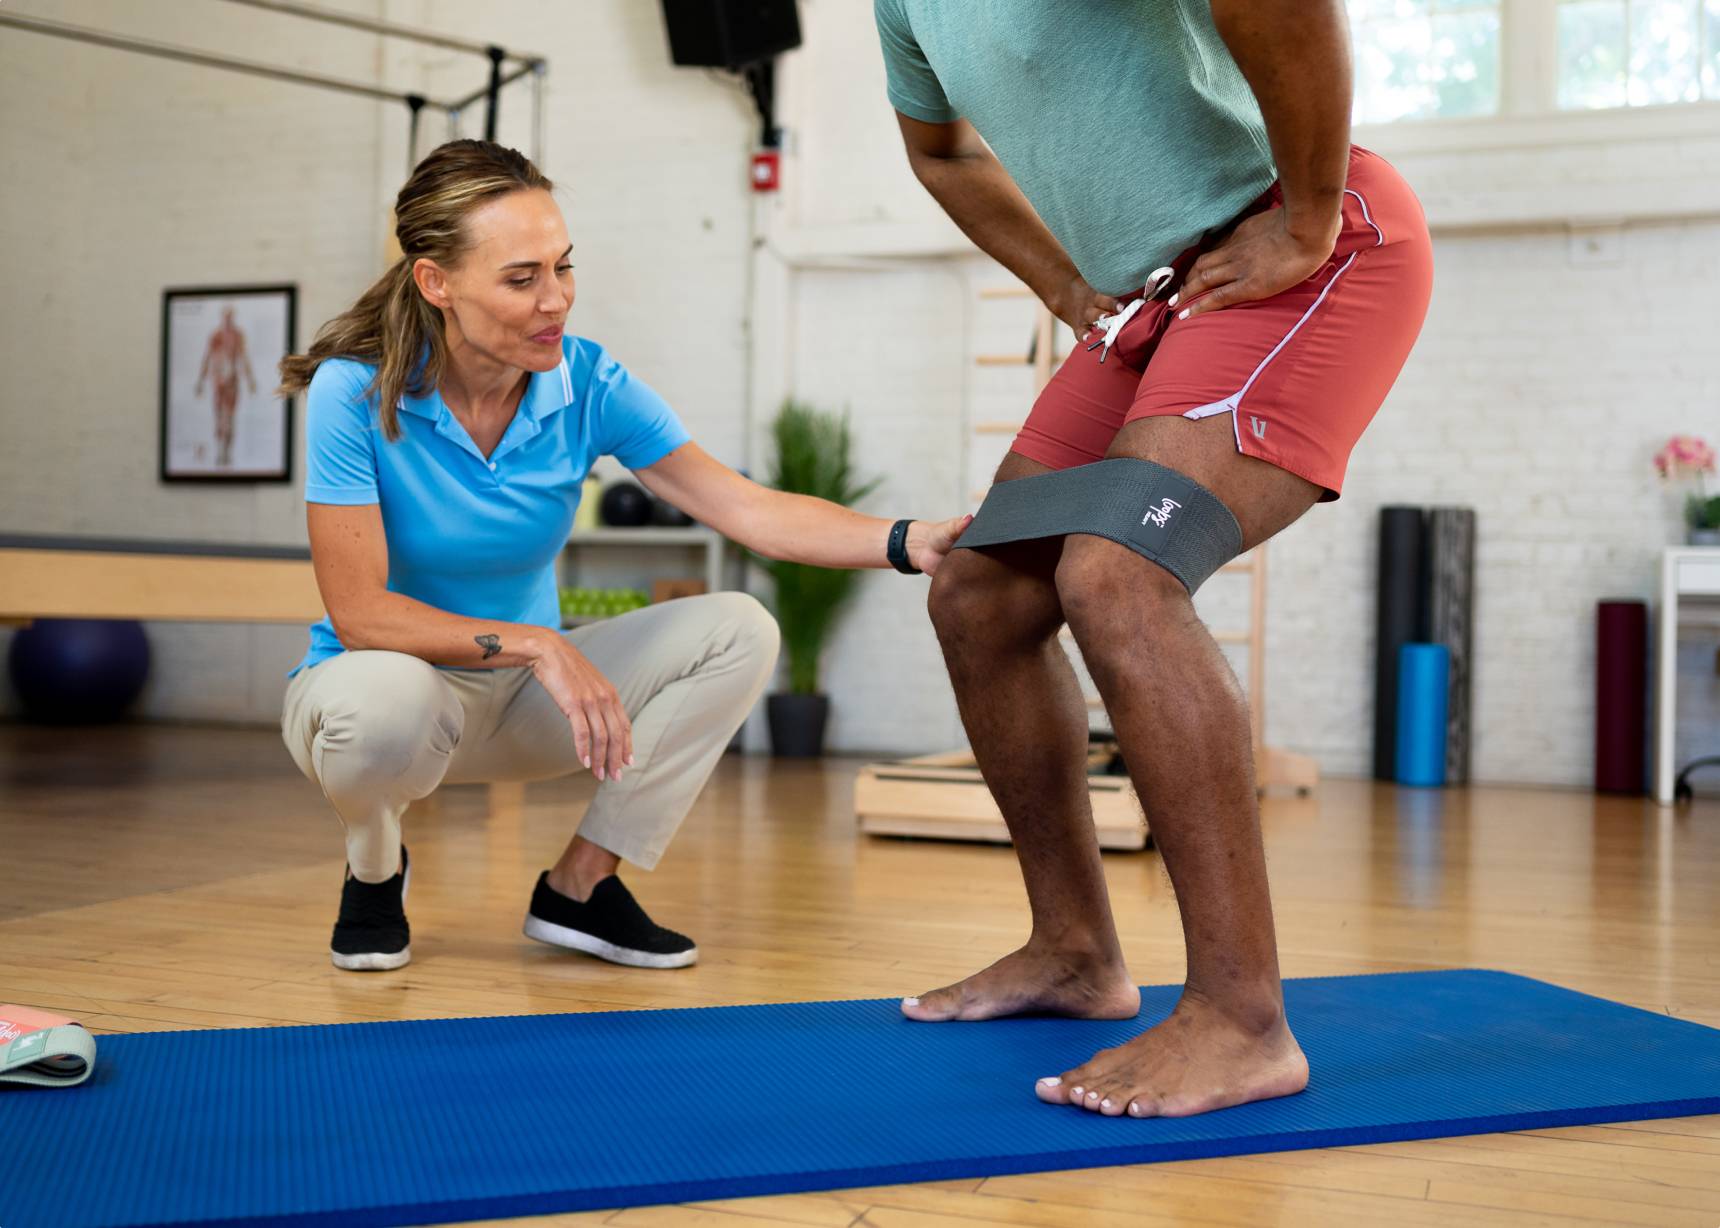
x: 797, y: 724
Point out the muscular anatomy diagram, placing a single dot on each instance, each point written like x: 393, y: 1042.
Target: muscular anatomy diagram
x: 223, y: 361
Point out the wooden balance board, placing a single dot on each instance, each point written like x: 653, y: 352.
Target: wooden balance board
x: 943, y: 797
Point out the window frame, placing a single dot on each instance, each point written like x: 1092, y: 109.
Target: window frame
x: 1529, y: 113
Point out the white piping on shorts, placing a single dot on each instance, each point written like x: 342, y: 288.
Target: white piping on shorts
x: 1232, y: 404
x: 1367, y: 216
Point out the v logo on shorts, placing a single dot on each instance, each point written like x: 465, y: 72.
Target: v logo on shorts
x: 1259, y: 425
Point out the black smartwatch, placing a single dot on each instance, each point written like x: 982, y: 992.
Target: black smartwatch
x: 897, y: 550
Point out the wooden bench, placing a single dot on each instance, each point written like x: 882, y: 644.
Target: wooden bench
x: 169, y: 581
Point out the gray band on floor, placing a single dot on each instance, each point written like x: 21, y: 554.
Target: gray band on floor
x: 1154, y: 511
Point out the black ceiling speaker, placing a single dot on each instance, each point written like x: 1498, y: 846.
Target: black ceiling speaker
x: 730, y: 33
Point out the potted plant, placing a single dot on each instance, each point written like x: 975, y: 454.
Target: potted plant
x: 1687, y: 457
x: 812, y: 457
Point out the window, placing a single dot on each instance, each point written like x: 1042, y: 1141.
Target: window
x: 1425, y: 59
x: 1615, y: 53
x: 1447, y: 59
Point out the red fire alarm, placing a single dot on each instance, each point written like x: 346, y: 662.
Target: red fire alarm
x: 766, y: 170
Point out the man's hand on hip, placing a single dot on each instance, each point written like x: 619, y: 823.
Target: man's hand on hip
x: 1078, y: 305
x: 1260, y: 258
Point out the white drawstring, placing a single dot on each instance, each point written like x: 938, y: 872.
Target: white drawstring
x: 1113, y: 324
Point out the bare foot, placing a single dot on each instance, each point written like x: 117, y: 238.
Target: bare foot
x: 1034, y: 981
x: 1197, y: 1060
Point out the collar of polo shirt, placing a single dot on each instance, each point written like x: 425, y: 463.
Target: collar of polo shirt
x: 549, y: 392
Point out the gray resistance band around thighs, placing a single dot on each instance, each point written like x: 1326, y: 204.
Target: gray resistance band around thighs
x: 1154, y: 511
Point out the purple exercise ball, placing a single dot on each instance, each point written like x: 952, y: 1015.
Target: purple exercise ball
x: 79, y: 671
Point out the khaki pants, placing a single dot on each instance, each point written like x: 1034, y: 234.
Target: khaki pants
x: 378, y: 730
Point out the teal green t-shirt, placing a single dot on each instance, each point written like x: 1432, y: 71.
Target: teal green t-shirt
x: 1126, y: 123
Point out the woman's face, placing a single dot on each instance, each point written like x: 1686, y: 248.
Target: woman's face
x: 510, y: 294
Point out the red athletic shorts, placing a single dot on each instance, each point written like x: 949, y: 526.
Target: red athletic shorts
x: 1301, y: 374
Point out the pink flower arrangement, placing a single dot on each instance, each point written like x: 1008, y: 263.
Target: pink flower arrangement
x: 1686, y: 456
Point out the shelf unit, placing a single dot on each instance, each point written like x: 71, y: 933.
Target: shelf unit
x: 712, y: 544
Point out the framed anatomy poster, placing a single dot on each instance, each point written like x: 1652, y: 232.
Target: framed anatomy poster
x: 221, y: 349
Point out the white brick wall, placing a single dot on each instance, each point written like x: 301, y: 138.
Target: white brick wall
x: 883, y: 346
x: 121, y: 175
x: 1538, y: 393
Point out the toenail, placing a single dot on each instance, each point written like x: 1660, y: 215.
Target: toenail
x: 1134, y: 1109
x: 1051, y: 1082
x: 1076, y: 1093
x: 910, y: 1001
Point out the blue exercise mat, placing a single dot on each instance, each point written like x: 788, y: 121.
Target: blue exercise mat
x: 449, y: 1119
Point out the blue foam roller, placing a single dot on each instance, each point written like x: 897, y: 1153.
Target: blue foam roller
x: 1424, y: 673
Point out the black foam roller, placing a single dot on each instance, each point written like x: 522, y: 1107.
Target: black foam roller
x: 1450, y: 621
x: 1401, y: 619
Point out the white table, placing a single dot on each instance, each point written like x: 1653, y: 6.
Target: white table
x: 1685, y: 571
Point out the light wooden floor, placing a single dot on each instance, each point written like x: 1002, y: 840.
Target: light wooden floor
x: 157, y: 877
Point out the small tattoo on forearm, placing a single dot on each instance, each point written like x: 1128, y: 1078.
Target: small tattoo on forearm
x: 491, y: 644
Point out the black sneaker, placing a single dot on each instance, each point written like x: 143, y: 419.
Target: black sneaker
x: 611, y: 926
x: 371, y: 934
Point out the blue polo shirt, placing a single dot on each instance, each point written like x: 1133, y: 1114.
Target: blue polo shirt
x: 470, y: 534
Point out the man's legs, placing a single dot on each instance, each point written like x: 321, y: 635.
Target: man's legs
x: 1183, y: 726
x: 1182, y: 723
x: 1308, y: 392
x: 997, y: 615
